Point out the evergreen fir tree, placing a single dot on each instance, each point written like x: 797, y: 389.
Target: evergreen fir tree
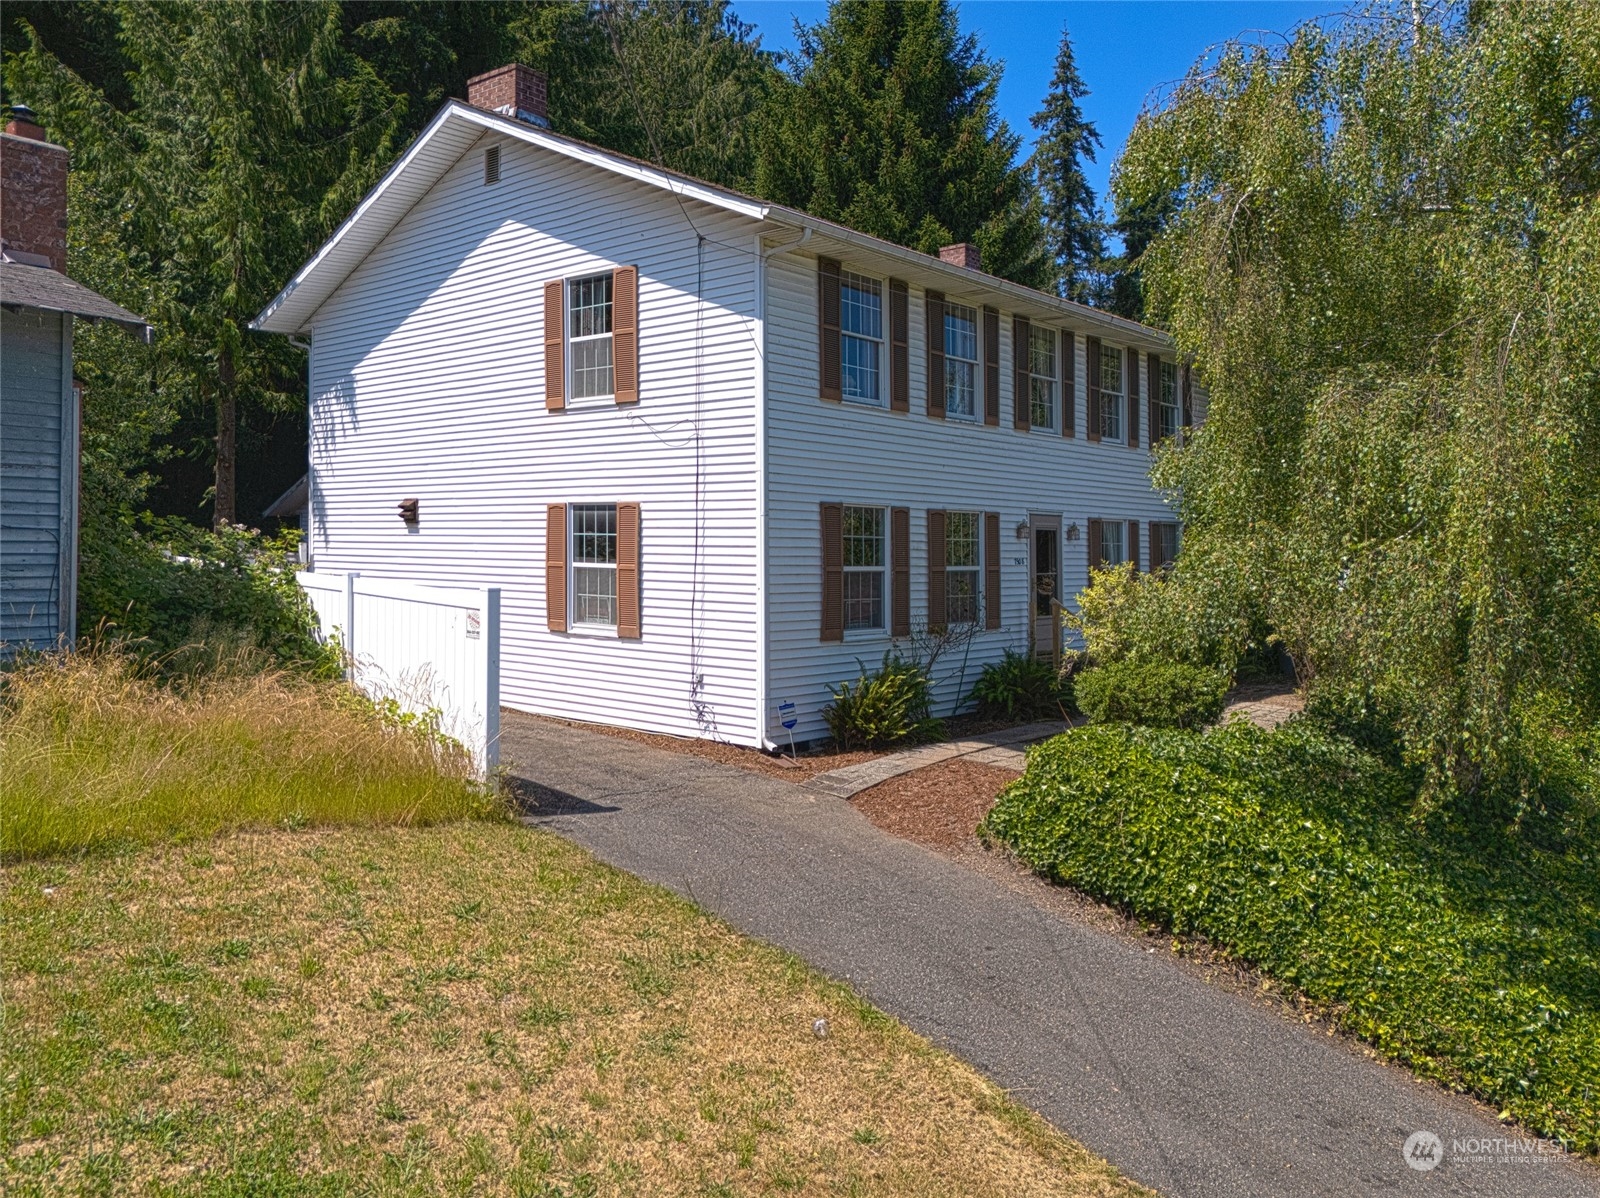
x: 1073, y: 229
x: 886, y: 122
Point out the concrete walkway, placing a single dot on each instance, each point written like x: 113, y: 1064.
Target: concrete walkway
x: 1186, y: 1087
x: 991, y: 748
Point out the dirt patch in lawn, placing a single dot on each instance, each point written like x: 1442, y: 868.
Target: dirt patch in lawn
x: 938, y: 806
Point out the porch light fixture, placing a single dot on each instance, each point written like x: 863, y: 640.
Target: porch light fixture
x: 1022, y: 530
x: 1071, y: 531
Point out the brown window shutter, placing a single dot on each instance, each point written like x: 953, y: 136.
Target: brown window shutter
x: 899, y: 346
x: 991, y: 367
x: 628, y: 621
x: 1153, y: 397
x: 833, y: 571
x: 555, y: 345
x: 937, y: 605
x: 1132, y: 373
x: 829, y: 355
x: 1188, y: 403
x: 625, y: 333
x: 555, y: 567
x: 900, y: 573
x: 1133, y: 543
x: 1069, y: 385
x: 935, y: 309
x: 1091, y: 349
x: 1095, y: 561
x: 991, y: 569
x: 1021, y: 406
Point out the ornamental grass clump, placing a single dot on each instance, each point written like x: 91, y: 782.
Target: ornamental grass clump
x: 100, y: 749
x: 1021, y: 686
x: 890, y: 705
x: 1464, y: 951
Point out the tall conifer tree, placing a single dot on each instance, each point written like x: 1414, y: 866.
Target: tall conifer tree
x: 1073, y: 230
x: 887, y: 123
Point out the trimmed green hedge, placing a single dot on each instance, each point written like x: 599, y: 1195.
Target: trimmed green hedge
x: 1471, y: 953
x: 1160, y: 694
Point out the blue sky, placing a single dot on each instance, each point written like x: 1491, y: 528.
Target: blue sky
x: 1125, y: 49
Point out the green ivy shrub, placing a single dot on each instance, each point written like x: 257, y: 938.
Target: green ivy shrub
x: 1158, y: 694
x: 1464, y: 952
x: 184, y: 595
x: 1022, y: 687
x: 886, y: 706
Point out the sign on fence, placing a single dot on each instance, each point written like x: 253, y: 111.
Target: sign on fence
x: 428, y: 648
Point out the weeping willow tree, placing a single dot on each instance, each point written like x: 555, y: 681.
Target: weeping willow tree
x: 1384, y: 259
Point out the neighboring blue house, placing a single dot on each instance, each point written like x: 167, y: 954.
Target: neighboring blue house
x: 39, y: 409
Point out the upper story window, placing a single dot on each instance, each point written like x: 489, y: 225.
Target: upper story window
x: 1169, y: 404
x: 861, y: 338
x: 594, y: 564
x: 865, y: 556
x: 589, y: 312
x: 1113, y: 543
x: 961, y: 362
x: 961, y: 567
x: 1111, y: 394
x: 1042, y: 378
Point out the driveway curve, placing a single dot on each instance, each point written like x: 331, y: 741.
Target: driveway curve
x: 1188, y: 1088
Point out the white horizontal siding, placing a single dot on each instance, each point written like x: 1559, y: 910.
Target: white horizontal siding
x: 829, y: 452
x: 37, y: 550
x: 427, y: 382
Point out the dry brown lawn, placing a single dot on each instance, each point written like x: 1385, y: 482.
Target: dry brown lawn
x: 468, y: 1009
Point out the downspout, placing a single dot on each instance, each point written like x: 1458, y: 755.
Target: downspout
x: 762, y: 698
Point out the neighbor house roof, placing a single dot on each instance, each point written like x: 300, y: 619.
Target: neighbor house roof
x: 458, y: 126
x: 25, y: 286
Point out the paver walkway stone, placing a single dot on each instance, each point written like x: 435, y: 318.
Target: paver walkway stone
x: 1190, y: 1088
x: 853, y: 779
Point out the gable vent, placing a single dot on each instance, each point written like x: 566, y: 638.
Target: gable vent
x: 491, y: 165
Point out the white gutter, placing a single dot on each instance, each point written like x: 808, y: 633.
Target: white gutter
x: 762, y: 698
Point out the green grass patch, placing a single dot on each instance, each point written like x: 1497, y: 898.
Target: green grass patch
x: 478, y: 1008
x: 1469, y: 951
x: 98, y: 751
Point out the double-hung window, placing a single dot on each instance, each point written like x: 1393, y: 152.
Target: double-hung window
x: 1163, y: 544
x: 866, y: 554
x: 594, y: 564
x: 961, y: 362
x: 1169, y: 404
x: 961, y: 567
x: 589, y: 337
x: 1042, y: 376
x: 1111, y: 394
x: 861, y: 339
x: 1113, y: 543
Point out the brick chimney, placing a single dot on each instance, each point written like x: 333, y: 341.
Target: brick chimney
x: 513, y: 90
x: 963, y: 253
x: 33, y: 194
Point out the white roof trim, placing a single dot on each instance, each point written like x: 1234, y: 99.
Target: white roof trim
x: 458, y: 126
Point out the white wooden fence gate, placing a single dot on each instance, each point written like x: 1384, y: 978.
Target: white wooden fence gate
x: 425, y: 647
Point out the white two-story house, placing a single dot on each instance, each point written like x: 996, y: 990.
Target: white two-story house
x: 717, y: 453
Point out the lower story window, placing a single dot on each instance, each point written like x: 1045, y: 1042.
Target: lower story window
x: 594, y: 564
x: 1163, y: 544
x: 961, y: 567
x: 865, y: 554
x: 1113, y: 543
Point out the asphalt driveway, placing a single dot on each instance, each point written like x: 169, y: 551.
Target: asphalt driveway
x: 1189, y: 1088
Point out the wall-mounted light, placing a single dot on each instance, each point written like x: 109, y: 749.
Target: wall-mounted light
x: 1022, y: 531
x: 1071, y: 532
x: 408, y: 510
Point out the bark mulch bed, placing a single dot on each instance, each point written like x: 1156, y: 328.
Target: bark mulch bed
x: 790, y: 770
x: 938, y: 805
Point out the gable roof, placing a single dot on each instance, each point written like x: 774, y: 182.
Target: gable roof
x: 458, y: 126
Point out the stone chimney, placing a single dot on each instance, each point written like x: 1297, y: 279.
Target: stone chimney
x: 513, y: 90
x: 33, y: 194
x: 963, y: 253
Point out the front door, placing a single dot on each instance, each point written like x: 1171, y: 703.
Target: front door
x: 1046, y: 531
